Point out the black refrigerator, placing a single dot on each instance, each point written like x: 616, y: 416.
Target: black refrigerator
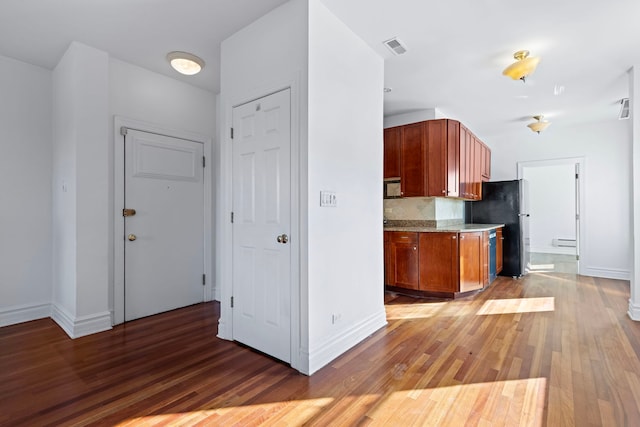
x: 506, y: 202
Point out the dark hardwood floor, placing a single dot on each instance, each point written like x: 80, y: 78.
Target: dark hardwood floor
x: 550, y: 349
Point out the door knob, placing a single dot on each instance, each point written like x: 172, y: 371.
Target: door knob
x: 283, y: 238
x: 131, y: 237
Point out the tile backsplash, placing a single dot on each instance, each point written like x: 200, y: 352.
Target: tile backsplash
x: 436, y: 210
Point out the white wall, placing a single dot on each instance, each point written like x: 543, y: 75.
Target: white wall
x: 337, y: 145
x: 161, y: 102
x: 606, y: 148
x: 634, y: 98
x: 81, y: 191
x: 264, y: 57
x: 25, y: 192
x: 345, y: 244
x: 552, y: 198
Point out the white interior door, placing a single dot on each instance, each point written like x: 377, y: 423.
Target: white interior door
x: 261, y: 224
x: 164, y: 239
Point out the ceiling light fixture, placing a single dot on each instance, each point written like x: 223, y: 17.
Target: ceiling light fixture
x: 185, y: 62
x: 539, y: 125
x: 523, y: 67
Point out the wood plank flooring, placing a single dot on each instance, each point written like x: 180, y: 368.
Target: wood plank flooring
x: 550, y: 349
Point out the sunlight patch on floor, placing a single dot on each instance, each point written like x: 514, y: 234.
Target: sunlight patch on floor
x: 297, y: 410
x: 517, y: 305
x: 507, y: 403
x: 423, y: 311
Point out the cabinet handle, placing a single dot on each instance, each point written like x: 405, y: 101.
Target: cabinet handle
x: 415, y: 248
x: 454, y: 237
x: 444, y: 192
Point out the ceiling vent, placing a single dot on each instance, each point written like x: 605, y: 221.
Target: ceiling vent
x: 624, y: 109
x: 396, y: 46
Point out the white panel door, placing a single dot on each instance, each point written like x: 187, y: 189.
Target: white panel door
x: 261, y: 227
x: 164, y: 240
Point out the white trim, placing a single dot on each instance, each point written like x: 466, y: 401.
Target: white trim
x: 118, y: 205
x: 581, y: 161
x: 607, y: 273
x: 225, y: 205
x: 553, y: 250
x: 24, y: 313
x: 634, y: 311
x: 77, y: 327
x: 327, y: 351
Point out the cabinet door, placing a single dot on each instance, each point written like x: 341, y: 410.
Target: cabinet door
x: 486, y: 163
x: 404, y: 260
x: 477, y: 169
x: 439, y: 262
x: 413, y: 166
x: 436, y: 136
x: 392, y: 152
x: 471, y: 263
x: 388, y: 265
x: 465, y: 163
x: 499, y: 250
x: 453, y: 158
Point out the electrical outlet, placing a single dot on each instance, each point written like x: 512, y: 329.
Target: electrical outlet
x: 335, y: 318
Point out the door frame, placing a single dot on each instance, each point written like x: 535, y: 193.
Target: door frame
x: 580, y: 198
x: 116, y: 305
x: 299, y: 335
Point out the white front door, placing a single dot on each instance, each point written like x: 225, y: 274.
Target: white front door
x: 261, y: 224
x: 164, y: 239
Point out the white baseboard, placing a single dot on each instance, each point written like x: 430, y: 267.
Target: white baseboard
x: 607, y: 273
x: 24, y: 313
x: 333, y: 347
x: 553, y: 250
x: 634, y: 311
x: 77, y: 327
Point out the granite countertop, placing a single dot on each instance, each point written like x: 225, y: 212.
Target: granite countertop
x: 453, y: 228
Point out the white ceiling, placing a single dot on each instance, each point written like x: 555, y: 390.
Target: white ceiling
x: 457, y: 48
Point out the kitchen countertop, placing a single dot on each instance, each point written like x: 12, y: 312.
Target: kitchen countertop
x: 456, y: 228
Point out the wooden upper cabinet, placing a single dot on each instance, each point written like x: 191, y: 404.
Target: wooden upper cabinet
x: 413, y: 161
x: 477, y: 168
x: 392, y: 152
x: 436, y: 135
x: 486, y: 163
x: 439, y: 262
x: 436, y: 158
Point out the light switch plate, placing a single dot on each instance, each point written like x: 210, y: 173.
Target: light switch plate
x: 328, y: 199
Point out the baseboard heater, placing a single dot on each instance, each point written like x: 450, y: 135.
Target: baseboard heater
x: 564, y: 243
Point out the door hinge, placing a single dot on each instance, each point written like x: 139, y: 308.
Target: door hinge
x: 204, y: 279
x: 577, y: 176
x: 123, y: 131
x: 231, y: 302
x: 204, y: 162
x: 577, y: 257
x: 231, y: 217
x: 231, y: 133
x: 577, y: 216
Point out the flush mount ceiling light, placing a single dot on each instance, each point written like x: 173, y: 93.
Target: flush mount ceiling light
x: 523, y: 67
x: 539, y: 125
x: 185, y: 62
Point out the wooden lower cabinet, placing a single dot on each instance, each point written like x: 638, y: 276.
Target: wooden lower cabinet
x: 437, y: 263
x: 402, y: 259
x: 471, y: 261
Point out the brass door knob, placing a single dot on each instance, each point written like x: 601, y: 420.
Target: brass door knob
x: 131, y: 237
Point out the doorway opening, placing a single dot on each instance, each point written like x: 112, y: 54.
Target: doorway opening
x: 555, y: 192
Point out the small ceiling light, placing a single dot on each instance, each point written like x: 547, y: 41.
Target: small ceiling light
x: 185, y: 63
x: 539, y: 125
x: 523, y: 67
